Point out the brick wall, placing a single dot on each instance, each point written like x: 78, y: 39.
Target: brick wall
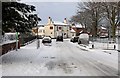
x: 9, y: 47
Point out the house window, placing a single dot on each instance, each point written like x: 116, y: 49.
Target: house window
x: 51, y: 27
x: 59, y: 28
x: 51, y: 32
x: 40, y: 31
x: 43, y: 31
x: 72, y: 34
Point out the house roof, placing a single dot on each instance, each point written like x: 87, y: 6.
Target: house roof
x: 59, y: 23
x: 103, y: 28
x: 42, y: 28
x: 81, y: 31
x: 72, y: 30
x: 78, y: 26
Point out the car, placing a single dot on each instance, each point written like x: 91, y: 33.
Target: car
x: 59, y: 38
x: 48, y: 36
x: 46, y: 40
x: 83, y: 39
x: 110, y: 42
x: 74, y: 39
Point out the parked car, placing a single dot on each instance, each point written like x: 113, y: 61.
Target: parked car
x: 46, y: 40
x: 59, y: 38
x: 83, y: 39
x: 74, y: 39
x: 48, y: 36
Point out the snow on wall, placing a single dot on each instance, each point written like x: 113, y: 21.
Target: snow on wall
x: 7, y: 38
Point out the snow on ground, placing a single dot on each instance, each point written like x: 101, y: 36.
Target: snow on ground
x: 101, y: 53
x: 59, y: 59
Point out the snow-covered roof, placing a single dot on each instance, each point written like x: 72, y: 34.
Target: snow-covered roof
x: 81, y: 31
x: 72, y: 30
x: 41, y: 28
x: 103, y: 28
x: 59, y: 23
x: 78, y: 26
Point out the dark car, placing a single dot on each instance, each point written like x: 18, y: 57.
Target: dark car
x: 46, y: 40
x: 74, y: 39
x: 59, y: 38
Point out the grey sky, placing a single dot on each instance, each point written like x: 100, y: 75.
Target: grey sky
x: 56, y: 10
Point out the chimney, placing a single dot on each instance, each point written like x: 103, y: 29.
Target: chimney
x: 49, y: 20
x: 65, y: 20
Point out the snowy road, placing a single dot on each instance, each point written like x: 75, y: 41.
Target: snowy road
x: 59, y: 59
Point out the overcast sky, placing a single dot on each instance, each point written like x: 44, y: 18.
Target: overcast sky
x: 56, y: 10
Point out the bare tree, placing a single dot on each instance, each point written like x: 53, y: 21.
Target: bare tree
x: 90, y: 14
x: 112, y: 13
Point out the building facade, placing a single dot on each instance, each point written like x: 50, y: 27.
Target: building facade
x: 40, y: 30
x: 56, y: 28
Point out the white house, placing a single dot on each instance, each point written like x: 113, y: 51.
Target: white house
x: 55, y: 28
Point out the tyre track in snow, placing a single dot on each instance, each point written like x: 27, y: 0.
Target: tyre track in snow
x: 70, y: 57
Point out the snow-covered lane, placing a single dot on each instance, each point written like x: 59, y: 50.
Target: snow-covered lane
x: 58, y: 59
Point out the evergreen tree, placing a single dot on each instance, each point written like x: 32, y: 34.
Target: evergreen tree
x: 18, y: 17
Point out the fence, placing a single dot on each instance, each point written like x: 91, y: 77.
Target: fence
x: 27, y: 40
x: 104, y: 43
